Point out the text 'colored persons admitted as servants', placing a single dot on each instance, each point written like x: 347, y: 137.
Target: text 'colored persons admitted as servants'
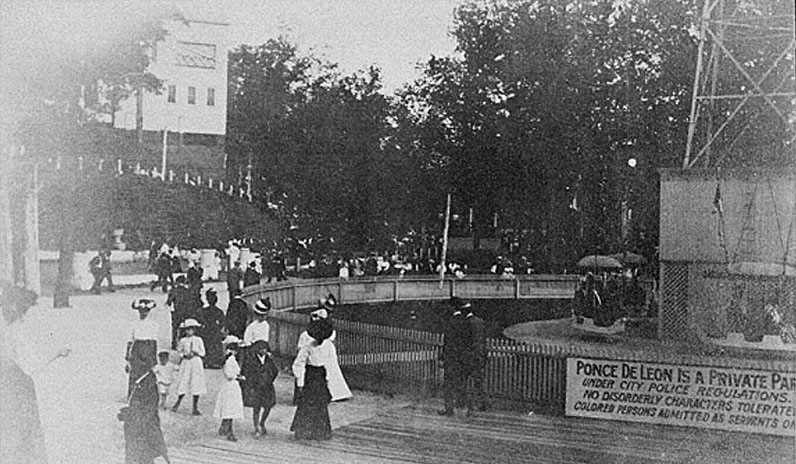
x: 729, y: 399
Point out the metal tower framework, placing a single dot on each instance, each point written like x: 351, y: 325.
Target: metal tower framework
x: 745, y: 77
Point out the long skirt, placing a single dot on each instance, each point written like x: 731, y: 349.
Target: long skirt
x: 311, y: 421
x: 143, y: 357
x: 229, y: 403
x: 22, y: 438
x: 143, y: 437
x: 191, y: 379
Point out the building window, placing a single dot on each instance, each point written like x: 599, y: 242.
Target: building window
x: 172, y: 94
x: 191, y: 95
x: 195, y: 55
x: 211, y: 97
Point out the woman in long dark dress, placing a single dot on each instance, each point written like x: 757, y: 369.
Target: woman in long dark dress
x: 213, y: 331
x: 143, y: 437
x: 311, y: 420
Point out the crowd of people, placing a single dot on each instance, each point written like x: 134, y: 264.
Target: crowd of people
x: 609, y: 297
x: 240, y: 340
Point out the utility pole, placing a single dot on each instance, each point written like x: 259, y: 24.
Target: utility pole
x: 442, y: 262
x: 164, y: 154
x: 31, y: 261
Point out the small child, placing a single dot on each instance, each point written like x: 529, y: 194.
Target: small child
x: 260, y: 372
x: 192, y: 370
x: 229, y: 404
x: 165, y: 372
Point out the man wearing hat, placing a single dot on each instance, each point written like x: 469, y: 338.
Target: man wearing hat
x: 476, y: 361
x: 258, y: 329
x: 251, y: 276
x: 456, y: 342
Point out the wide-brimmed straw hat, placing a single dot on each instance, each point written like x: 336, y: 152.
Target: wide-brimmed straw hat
x: 263, y: 306
x: 231, y: 340
x: 190, y: 323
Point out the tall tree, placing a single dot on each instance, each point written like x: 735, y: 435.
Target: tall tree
x: 540, y: 100
x: 74, y: 65
x: 314, y: 139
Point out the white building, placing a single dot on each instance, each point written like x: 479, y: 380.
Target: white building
x: 192, y: 63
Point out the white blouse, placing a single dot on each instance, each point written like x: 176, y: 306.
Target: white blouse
x: 257, y: 330
x: 144, y: 329
x: 313, y: 355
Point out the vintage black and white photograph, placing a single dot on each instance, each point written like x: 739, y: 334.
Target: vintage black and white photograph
x: 398, y: 231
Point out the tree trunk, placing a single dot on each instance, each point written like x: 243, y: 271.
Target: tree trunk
x: 63, y: 282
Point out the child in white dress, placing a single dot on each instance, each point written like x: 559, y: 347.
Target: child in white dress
x: 192, y: 371
x: 229, y: 404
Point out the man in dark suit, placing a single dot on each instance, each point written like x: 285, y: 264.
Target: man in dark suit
x: 476, y: 360
x: 454, y: 356
x: 251, y: 276
x: 234, y: 280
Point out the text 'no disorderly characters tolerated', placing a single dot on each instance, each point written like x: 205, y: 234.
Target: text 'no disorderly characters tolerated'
x: 697, y: 396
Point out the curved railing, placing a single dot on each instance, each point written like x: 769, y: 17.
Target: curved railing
x: 389, y: 358
x: 298, y: 294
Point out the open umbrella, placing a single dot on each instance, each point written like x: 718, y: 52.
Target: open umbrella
x: 630, y: 259
x: 600, y: 261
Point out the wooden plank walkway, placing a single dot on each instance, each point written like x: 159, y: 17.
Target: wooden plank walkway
x: 419, y: 435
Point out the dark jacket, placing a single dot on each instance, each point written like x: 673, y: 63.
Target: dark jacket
x: 477, y: 339
x: 251, y: 277
x: 234, y: 278
x: 237, y: 317
x: 258, y: 389
x: 456, y: 339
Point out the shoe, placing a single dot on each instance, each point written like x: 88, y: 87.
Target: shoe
x: 445, y: 412
x: 221, y: 431
x: 196, y: 413
x: 231, y: 437
x: 263, y: 432
x: 175, y: 408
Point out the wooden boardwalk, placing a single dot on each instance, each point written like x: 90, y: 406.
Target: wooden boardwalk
x: 419, y: 435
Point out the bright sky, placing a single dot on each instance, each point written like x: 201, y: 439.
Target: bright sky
x: 394, y: 35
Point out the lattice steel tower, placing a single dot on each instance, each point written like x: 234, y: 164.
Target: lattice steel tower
x: 744, y: 93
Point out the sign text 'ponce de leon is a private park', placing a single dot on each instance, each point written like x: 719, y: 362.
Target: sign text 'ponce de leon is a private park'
x: 697, y: 396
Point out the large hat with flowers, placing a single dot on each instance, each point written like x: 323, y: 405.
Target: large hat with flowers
x: 144, y: 304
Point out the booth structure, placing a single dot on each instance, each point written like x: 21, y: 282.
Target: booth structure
x: 728, y: 257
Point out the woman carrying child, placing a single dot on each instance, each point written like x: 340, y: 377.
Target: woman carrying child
x: 260, y: 372
x: 192, y: 372
x: 229, y: 404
